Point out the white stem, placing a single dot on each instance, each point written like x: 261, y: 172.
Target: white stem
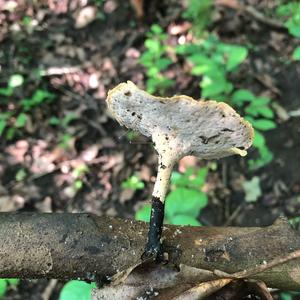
x: 165, y: 167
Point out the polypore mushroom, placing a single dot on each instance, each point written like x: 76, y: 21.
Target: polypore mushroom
x: 178, y: 126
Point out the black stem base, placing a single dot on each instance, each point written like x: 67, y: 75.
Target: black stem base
x: 154, y: 247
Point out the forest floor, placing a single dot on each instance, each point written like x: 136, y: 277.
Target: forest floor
x: 79, y: 163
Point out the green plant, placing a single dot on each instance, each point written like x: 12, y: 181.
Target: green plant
x: 76, y: 290
x: 213, y: 61
x: 185, y: 201
x: 252, y: 189
x: 199, y: 13
x: 133, y: 183
x: 260, y: 114
x: 289, y: 296
x: 156, y: 60
x: 5, y: 284
x: 15, y: 117
x: 131, y: 135
x: 291, y: 13
x: 63, y: 137
x: 78, y: 175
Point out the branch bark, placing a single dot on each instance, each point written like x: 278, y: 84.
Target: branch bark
x: 66, y: 246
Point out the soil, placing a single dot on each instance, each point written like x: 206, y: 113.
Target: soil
x: 100, y: 55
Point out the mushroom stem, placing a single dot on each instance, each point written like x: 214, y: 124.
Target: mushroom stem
x: 165, y: 167
x: 153, y: 246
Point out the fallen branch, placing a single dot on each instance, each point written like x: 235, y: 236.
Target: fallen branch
x: 85, y: 246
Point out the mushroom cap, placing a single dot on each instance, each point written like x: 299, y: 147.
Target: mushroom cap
x: 180, y: 125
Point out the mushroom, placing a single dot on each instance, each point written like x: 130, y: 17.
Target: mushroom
x: 178, y: 126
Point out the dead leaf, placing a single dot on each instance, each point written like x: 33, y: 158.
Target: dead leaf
x: 85, y: 16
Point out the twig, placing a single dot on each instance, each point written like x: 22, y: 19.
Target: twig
x: 260, y: 268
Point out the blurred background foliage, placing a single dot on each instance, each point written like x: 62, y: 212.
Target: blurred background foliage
x: 61, y: 151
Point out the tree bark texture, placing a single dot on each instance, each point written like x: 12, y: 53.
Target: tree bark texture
x: 66, y: 246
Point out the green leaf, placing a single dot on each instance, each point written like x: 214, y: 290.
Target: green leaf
x: 184, y: 220
x: 3, y: 287
x: 265, y: 156
x: 262, y: 110
x: 263, y: 124
x: 76, y: 290
x: 261, y: 101
x: 241, y: 96
x: 182, y: 179
x: 296, y: 53
x: 13, y: 281
x: 152, y: 71
x: 144, y: 213
x: 21, y: 120
x: 265, y: 111
x: 163, y: 63
x: 200, y: 178
x: 293, y: 27
x: 215, y: 85
x: 186, y: 49
x: 54, y: 121
x: 146, y: 59
x: 185, y: 201
x: 2, y: 125
x: 69, y: 117
x: 259, y: 140
x: 286, y: 296
x: 10, y: 134
x: 6, y: 91
x: 133, y: 183
x: 15, y: 80
x: 21, y: 175
x: 153, y: 45
x: 252, y: 189
x: 78, y: 184
x: 156, y: 29
x: 235, y: 56
x: 41, y: 95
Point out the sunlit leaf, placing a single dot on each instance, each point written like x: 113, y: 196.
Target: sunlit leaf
x: 184, y: 220
x: 293, y: 27
x: 6, y: 91
x: 263, y: 124
x: 235, y: 56
x: 13, y: 281
x: 241, y: 96
x: 21, y: 120
x: 21, y: 175
x: 163, y: 63
x: 296, y: 53
x: 144, y: 213
x: 265, y: 111
x: 15, y: 80
x: 76, y: 290
x: 155, y: 28
x: 185, y: 202
x: 214, y: 85
x: 133, y: 183
x: 259, y: 140
x: 152, y: 45
x: 3, y: 287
